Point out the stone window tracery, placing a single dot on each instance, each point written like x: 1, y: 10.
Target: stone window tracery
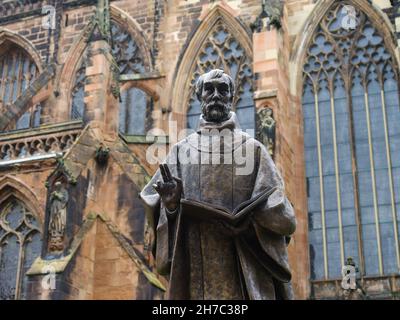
x: 17, y: 72
x: 20, y: 245
x: 222, y: 50
x: 352, y: 138
x: 136, y: 105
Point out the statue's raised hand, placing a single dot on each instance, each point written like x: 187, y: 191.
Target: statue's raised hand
x: 170, y: 189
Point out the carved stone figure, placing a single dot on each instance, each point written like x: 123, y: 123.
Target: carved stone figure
x: 217, y: 206
x: 266, y: 126
x: 58, y: 217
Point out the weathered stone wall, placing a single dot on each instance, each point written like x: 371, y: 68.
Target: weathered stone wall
x: 106, y: 253
x: 166, y: 29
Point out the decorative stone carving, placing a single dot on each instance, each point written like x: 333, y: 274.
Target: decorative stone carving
x: 350, y: 77
x: 14, y: 7
x: 271, y: 15
x: 102, y: 154
x: 36, y: 145
x: 126, y: 50
x: 266, y: 126
x: 20, y: 231
x: 125, y: 56
x: 58, y: 217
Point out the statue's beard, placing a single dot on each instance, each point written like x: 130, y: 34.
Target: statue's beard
x: 215, y: 112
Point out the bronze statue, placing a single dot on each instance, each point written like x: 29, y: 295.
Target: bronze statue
x: 217, y: 205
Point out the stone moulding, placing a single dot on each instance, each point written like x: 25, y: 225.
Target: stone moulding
x: 375, y: 287
x: 90, y: 137
x: 141, y: 76
x: 191, y: 49
x: 36, y: 143
x: 140, y: 139
x: 54, y: 155
x: 15, y: 10
x: 265, y: 94
x: 42, y: 266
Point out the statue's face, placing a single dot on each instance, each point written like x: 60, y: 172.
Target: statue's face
x: 216, y: 99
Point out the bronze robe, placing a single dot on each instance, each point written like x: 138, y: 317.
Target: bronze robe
x: 200, y: 258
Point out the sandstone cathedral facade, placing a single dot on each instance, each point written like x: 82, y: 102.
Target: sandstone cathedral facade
x: 89, y: 88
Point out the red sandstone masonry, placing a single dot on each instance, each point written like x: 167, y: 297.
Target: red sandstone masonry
x: 177, y: 23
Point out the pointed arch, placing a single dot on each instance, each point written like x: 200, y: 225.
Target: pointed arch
x: 124, y: 19
x: 133, y: 55
x: 74, y: 62
x: 350, y: 136
x: 12, y: 187
x: 8, y: 37
x: 70, y: 67
x: 20, y: 66
x: 190, y: 53
x: 310, y: 25
x: 21, y: 236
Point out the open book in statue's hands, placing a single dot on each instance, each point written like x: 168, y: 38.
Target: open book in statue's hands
x: 206, y: 211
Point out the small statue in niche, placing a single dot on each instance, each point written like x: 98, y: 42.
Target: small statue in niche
x: 266, y: 126
x: 58, y: 217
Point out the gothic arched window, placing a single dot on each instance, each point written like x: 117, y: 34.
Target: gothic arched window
x: 352, y: 145
x: 20, y: 245
x: 135, y: 106
x: 126, y: 50
x: 17, y: 72
x: 222, y: 50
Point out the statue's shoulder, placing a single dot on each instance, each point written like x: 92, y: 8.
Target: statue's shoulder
x: 190, y: 139
x: 247, y: 138
x: 240, y: 137
x: 254, y: 142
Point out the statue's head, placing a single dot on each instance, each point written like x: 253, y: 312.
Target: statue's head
x: 58, y: 185
x: 215, y: 91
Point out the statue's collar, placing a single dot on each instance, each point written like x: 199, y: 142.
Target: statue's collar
x: 231, y: 123
x: 230, y: 139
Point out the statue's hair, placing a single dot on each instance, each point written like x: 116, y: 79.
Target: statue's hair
x: 213, y: 74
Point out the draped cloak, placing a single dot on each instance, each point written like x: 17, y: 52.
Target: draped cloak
x: 199, y: 258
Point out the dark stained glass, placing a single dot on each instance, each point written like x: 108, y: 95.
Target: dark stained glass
x: 20, y: 245
x: 350, y: 73
x: 136, y: 105
x: 17, y: 71
x: 126, y: 51
x: 78, y: 92
x: 222, y: 50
